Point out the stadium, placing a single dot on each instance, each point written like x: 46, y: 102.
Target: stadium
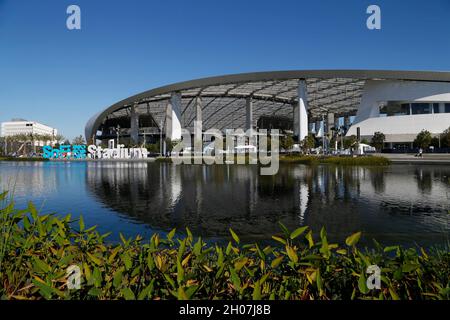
x: 399, y: 104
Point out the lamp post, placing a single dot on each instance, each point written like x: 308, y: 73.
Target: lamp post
x: 145, y: 142
x: 160, y: 138
x: 118, y: 134
x: 323, y: 135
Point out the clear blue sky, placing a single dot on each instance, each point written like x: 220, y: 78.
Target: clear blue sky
x: 61, y: 77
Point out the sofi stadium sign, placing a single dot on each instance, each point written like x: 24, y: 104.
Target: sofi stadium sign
x: 94, y: 152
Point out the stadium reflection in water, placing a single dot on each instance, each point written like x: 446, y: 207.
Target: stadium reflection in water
x: 399, y: 204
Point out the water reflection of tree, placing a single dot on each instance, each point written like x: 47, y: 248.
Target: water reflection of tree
x: 377, y: 178
x: 276, y: 185
x: 424, y: 179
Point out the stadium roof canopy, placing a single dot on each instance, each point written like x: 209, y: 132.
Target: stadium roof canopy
x: 273, y: 93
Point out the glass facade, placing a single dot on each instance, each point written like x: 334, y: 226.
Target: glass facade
x: 394, y: 108
x: 421, y: 108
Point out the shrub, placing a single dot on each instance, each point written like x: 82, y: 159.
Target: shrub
x: 378, y: 140
x: 35, y: 252
x: 423, y: 139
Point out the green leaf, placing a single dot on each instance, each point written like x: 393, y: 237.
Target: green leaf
x: 26, y: 223
x: 81, y: 223
x: 146, y: 293
x: 279, y: 239
x: 234, y: 235
x: 3, y: 195
x: 170, y: 280
x: 260, y: 252
x: 40, y: 265
x: 189, y: 234
x: 45, y: 290
x: 181, y: 249
x: 390, y: 248
x: 97, y: 277
x: 319, y: 282
x: 171, y: 234
x: 190, y: 291
x: 353, y: 239
x: 95, y: 292
x: 310, y: 239
x: 297, y: 232
x: 127, y: 261
x: 198, y: 247
x: 235, y: 279
x: 128, y: 294
x: 239, y: 264
x: 276, y: 261
x: 284, y: 229
x: 292, y: 254
x: 180, y: 272
x: 394, y: 294
x: 256, y: 295
x: 181, y: 294
x: 117, y: 280
x: 32, y: 210
x: 94, y: 259
x: 362, y: 285
x: 408, y: 267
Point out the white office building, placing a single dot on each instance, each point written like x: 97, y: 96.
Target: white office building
x: 31, y: 128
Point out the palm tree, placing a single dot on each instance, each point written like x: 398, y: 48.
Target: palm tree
x: 78, y: 140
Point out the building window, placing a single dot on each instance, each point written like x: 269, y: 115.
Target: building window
x: 420, y: 108
x: 395, y: 109
x: 447, y: 108
x: 435, y: 107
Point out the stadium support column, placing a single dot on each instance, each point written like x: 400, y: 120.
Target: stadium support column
x: 198, y: 137
x: 173, y: 117
x: 347, y: 123
x: 249, y: 113
x: 198, y: 116
x: 301, y: 112
x: 330, y: 123
x: 134, y: 127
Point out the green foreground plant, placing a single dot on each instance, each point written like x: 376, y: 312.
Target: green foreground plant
x: 36, y: 250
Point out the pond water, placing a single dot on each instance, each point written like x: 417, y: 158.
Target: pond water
x: 399, y: 204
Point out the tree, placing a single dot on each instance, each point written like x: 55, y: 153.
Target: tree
x: 287, y: 142
x: 423, y: 139
x: 350, y: 141
x: 59, y: 138
x: 378, y: 140
x: 445, y: 138
x: 308, y: 143
x: 78, y: 140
